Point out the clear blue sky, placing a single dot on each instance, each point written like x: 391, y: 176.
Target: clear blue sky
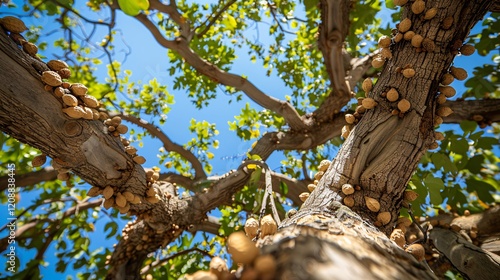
x: 148, y: 60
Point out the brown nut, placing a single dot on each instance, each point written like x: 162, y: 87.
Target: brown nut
x: 51, y: 78
x: 431, y: 13
x: 90, y: 101
x: 404, y: 105
x: 347, y: 189
x: 384, y: 42
x: 13, y: 24
x: 404, y: 25
x: 367, y: 85
x: 392, y: 95
x: 369, y: 103
x: 418, y: 7
x: 78, y: 89
x: 39, y: 160
x: 268, y: 226
x: 408, y: 72
x: 467, y: 49
x: 69, y: 100
x: 241, y: 248
x: 74, y: 112
x: 251, y: 228
x: 56, y: 65
x: 65, y: 73
x: 384, y: 218
x: 372, y: 204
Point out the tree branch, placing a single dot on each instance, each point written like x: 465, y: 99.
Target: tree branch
x: 29, y: 179
x: 211, y: 20
x: 483, y: 110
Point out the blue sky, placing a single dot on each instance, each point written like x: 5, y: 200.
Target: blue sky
x: 148, y: 60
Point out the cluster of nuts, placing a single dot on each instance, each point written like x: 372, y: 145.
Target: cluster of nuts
x: 267, y: 227
x: 405, y: 239
x: 15, y: 27
x: 62, y: 173
x: 132, y: 151
x: 322, y: 167
x: 218, y: 271
x: 114, y: 198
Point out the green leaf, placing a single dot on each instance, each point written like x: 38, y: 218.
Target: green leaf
x: 434, y: 185
x: 482, y: 188
x: 133, y: 8
x: 459, y: 146
x: 468, y: 126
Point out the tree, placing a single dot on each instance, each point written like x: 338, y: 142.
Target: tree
x: 351, y: 218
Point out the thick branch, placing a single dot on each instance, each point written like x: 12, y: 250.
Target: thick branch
x: 487, y: 110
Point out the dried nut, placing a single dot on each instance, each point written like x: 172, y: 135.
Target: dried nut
x: 360, y: 109
x: 30, y: 48
x: 398, y: 237
x: 384, y: 42
x: 266, y: 265
x: 378, y: 61
x: 349, y: 118
x: 409, y: 35
x: 74, y: 112
x: 111, y: 128
x: 66, y: 85
x: 459, y: 73
x: 447, y: 23
x: 120, y: 200
x: 241, y: 248
x: 405, y: 221
x: 318, y: 175
x: 466, y: 213
x: 63, y: 176
x: 218, y: 266
x: 78, y: 89
x: 108, y: 192
x: 345, y: 131
x: 201, y: 275
x: 372, y: 204
x: 386, y: 53
x: 89, y: 115
x: 124, y: 210
x: 304, y: 196
x: 417, y: 40
x: 418, y: 7
x: 311, y: 187
x: 408, y: 72
x: 349, y: 201
x: 151, y: 191
x: 398, y: 37
x: 431, y: 13
x: 404, y: 25
x: 434, y: 145
x: 95, y: 114
x: 369, y: 103
x: 108, y: 203
x: 251, y: 228
x: 410, y: 195
x: 130, y: 150
x: 444, y: 111
x: 400, y: 2
x: 69, y: 100
x: 13, y: 24
x: 90, y: 101
x: 441, y: 99
x: 94, y: 191
x: 128, y: 196
x: 56, y: 65
x: 139, y: 159
x: 268, y: 226
x: 367, y: 85
x: 404, y: 105
x: 122, y: 129
x: 384, y: 217
x: 39, y: 160
x: 438, y: 136
x: 347, y: 189
x: 103, y: 116
x: 428, y: 45
x: 153, y: 199
x: 59, y: 92
x: 51, y: 78
x: 116, y: 120
x: 437, y: 120
x: 417, y: 251
x: 467, y: 49
x: 65, y: 73
x: 137, y: 200
x: 447, y: 91
x: 392, y: 95
x: 323, y: 165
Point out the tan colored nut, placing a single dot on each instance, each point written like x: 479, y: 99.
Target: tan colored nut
x: 447, y: 79
x: 378, y: 61
x: 65, y: 73
x: 408, y: 72
x: 347, y: 189
x: 392, y: 95
x: 108, y: 203
x: 367, y: 85
x: 59, y: 92
x: 404, y: 25
x: 95, y: 114
x: 434, y: 145
x: 130, y: 150
x: 323, y: 165
x: 319, y: 175
x: 431, y: 13
x: 438, y: 136
x: 409, y: 35
x: 151, y: 191
x: 405, y: 221
x: 369, y: 103
x: 398, y: 237
x: 447, y: 23
x: 56, y: 65
x: 438, y: 120
x: 78, y: 89
x: 39, y: 160
x: 266, y: 266
x: 410, y: 195
x: 418, y: 7
x: 384, y: 218
x: 384, y: 41
x: 398, y: 37
x: 13, y: 24
x: 441, y: 99
x: 444, y: 111
x: 124, y: 209
x: 137, y: 200
x: 428, y: 45
x: 400, y: 2
x: 311, y: 187
x: 90, y: 101
x: 417, y: 40
x: 120, y: 200
x: 345, y: 131
x: 241, y: 248
x: 116, y: 120
x: 349, y: 118
x: 74, y: 112
x: 94, y: 191
x: 467, y: 49
x: 349, y: 201
x: 111, y: 128
x: 30, y: 48
x: 404, y: 105
x: 153, y: 199
x: 447, y: 91
x: 108, y: 192
x: 459, y: 73
x: 372, y: 204
x: 122, y: 129
x: 63, y: 176
x: 103, y: 116
x: 218, y: 266
x: 417, y: 251
x: 89, y: 115
x: 386, y: 53
x: 251, y: 228
x: 69, y: 100
x: 201, y: 275
x: 128, y: 196
x: 51, y: 78
x: 304, y: 196
x: 139, y: 159
x: 66, y: 85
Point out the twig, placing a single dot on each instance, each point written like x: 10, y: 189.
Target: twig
x: 213, y: 19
